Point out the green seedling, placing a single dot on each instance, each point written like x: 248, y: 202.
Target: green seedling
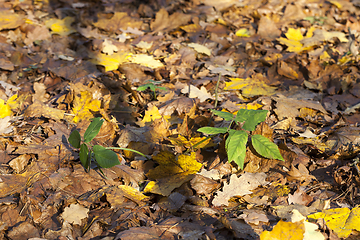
x: 152, y: 85
x: 103, y: 156
x: 237, y: 140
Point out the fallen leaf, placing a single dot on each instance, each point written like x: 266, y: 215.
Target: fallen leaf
x: 75, y: 213
x: 285, y: 231
x: 10, y: 20
x: 341, y: 220
x: 61, y: 26
x: 146, y: 60
x: 239, y: 186
x: 200, y: 48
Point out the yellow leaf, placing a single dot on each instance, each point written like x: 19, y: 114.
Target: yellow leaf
x: 110, y: 62
x: 341, y: 220
x: 294, y: 34
x: 152, y: 114
x: 132, y: 194
x: 182, y: 141
x: 285, y: 231
x: 84, y: 105
x: 171, y: 172
x: 146, y: 60
x: 242, y: 32
x: 293, y: 38
x: 5, y: 109
x: 61, y: 27
x: 200, y: 48
x: 169, y: 165
x: 10, y: 20
x: 336, y: 3
x: 191, y: 28
x: 250, y: 87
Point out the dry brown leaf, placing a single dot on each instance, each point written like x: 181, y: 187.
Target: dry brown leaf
x: 239, y: 186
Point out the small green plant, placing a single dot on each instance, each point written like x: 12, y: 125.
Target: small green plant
x: 237, y: 140
x: 103, y: 156
x: 152, y: 85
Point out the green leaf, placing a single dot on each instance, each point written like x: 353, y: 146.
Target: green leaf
x: 93, y: 129
x: 161, y: 88
x: 75, y: 139
x: 145, y: 86
x: 265, y: 147
x: 225, y: 115
x: 212, y: 130
x: 235, y: 145
x: 251, y: 118
x: 105, y: 157
x: 84, y: 156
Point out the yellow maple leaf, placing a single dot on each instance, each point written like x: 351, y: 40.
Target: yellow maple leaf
x: 61, y: 26
x: 285, y: 231
x: 250, y: 87
x: 293, y: 40
x: 151, y: 115
x: 110, y: 62
x: 341, y: 220
x: 84, y: 105
x: 5, y: 109
x: 146, y: 60
x: 172, y: 172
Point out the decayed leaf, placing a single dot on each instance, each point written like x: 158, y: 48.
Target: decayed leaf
x: 119, y: 20
x: 239, y: 186
x: 61, y: 26
x: 341, y: 220
x: 75, y: 213
x: 171, y: 172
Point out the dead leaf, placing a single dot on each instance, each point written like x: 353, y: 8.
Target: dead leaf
x: 239, y: 186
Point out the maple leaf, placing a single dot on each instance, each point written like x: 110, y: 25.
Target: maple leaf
x: 61, y: 26
x: 250, y: 87
x: 341, y: 220
x: 84, y: 105
x: 151, y: 115
x: 171, y: 172
x: 293, y: 40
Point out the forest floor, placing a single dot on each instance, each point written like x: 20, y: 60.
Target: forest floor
x: 246, y: 113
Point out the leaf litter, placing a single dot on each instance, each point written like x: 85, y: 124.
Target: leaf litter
x: 66, y: 63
